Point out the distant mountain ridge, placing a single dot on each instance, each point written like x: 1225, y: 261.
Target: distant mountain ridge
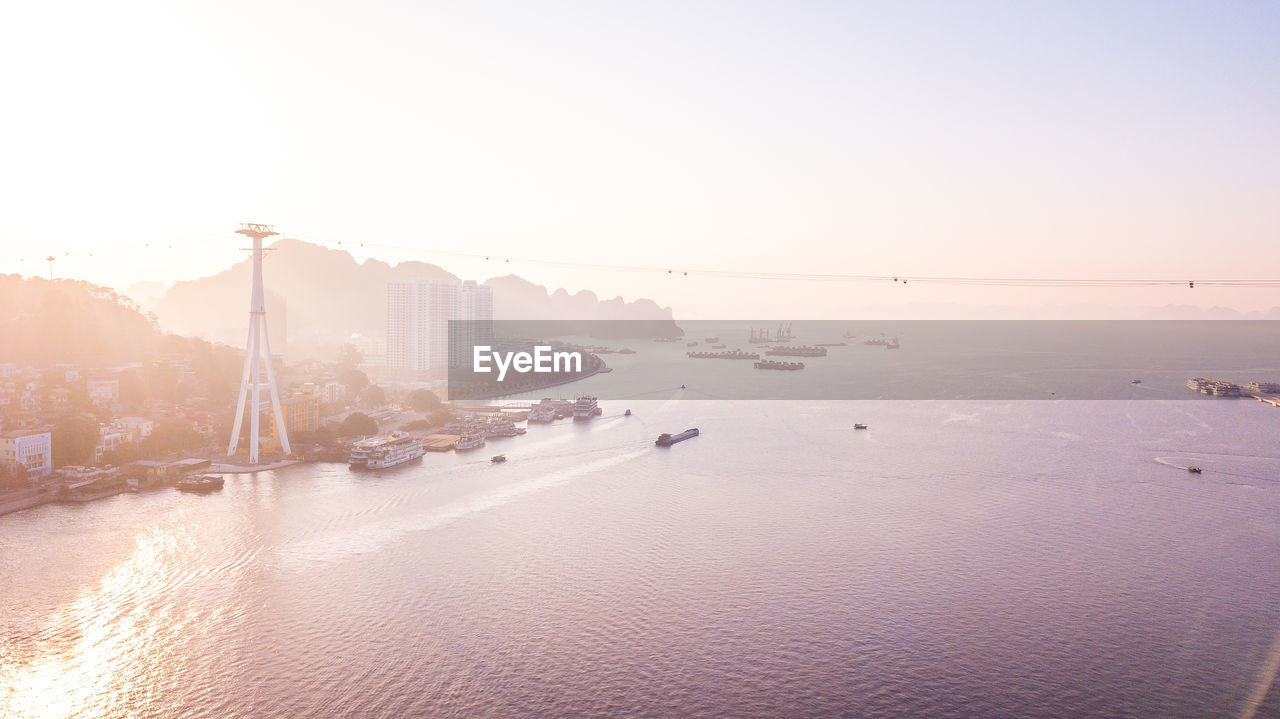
x: 329, y: 295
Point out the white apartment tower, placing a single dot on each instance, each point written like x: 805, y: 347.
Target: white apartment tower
x: 418, y: 316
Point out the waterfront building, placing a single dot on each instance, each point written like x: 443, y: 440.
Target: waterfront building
x: 301, y: 414
x: 32, y: 450
x: 110, y: 439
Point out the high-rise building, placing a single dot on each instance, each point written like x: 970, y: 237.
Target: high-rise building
x: 475, y: 325
x: 418, y: 317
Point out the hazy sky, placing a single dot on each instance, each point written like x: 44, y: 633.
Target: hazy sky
x: 1022, y: 139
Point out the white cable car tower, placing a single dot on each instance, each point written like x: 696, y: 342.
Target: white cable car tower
x: 257, y: 349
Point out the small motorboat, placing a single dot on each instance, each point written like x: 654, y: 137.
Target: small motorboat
x: 627, y: 413
x: 498, y: 458
x: 1136, y: 381
x: 1194, y: 469
x: 859, y: 425
x: 200, y: 485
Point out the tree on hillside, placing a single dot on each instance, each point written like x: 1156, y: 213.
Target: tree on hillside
x: 169, y: 439
x: 50, y: 321
x: 423, y: 400
x: 74, y: 438
x: 357, y: 423
x: 349, y: 356
x: 324, y: 435
x: 373, y: 396
x: 355, y: 381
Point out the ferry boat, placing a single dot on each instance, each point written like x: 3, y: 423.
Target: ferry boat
x: 585, y: 408
x: 542, y: 415
x: 667, y: 439
x: 386, y: 451
x: 469, y: 441
x: 504, y: 428
x: 786, y: 351
x: 773, y: 364
x: 887, y: 344
x: 200, y: 485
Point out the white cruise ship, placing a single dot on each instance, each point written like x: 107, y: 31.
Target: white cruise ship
x: 385, y: 451
x: 469, y: 441
x: 586, y: 408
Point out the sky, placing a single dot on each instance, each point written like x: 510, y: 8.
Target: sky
x: 1071, y: 139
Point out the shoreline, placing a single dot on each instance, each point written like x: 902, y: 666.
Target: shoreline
x: 597, y: 370
x: 216, y: 468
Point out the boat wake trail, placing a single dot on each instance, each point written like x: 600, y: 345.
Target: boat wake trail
x: 1262, y: 683
x: 364, y: 538
x: 1177, y: 462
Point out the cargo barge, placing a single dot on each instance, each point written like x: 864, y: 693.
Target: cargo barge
x: 666, y: 439
x: 728, y: 354
x: 772, y: 364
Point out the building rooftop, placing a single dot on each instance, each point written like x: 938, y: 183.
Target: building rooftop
x: 20, y: 433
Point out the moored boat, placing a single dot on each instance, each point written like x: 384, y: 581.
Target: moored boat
x: 386, y: 451
x: 773, y: 364
x: 585, y: 408
x: 789, y: 351
x: 469, y: 441
x: 200, y: 484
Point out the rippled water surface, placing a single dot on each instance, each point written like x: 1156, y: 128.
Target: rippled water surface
x: 957, y: 559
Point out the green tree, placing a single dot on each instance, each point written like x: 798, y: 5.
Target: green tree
x: 349, y: 356
x: 169, y: 439
x: 324, y: 436
x: 373, y: 396
x: 74, y: 438
x: 423, y: 400
x: 357, y: 423
x: 355, y: 381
